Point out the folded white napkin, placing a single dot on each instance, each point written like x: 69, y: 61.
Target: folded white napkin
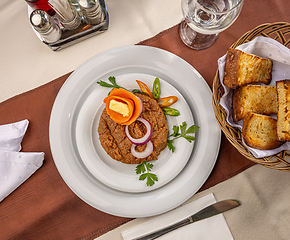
x: 15, y: 166
x: 280, y: 55
x: 210, y: 228
x: 11, y: 135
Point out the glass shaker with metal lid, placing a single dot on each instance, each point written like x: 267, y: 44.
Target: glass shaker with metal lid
x: 45, y: 26
x: 92, y: 11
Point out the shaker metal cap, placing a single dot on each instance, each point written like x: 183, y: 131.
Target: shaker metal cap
x: 40, y: 20
x: 86, y: 4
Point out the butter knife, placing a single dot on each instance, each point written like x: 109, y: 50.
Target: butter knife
x: 206, y: 212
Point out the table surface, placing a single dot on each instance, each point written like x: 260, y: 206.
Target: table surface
x: 27, y: 63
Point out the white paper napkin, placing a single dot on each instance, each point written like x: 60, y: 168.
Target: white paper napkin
x: 267, y: 48
x: 15, y: 166
x: 211, y: 228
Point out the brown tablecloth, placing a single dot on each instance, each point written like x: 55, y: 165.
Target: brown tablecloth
x: 44, y: 207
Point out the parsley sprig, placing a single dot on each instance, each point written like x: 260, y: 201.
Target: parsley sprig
x: 183, y: 133
x: 113, y: 84
x: 145, y: 168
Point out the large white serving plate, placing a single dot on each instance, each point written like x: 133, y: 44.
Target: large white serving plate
x: 130, y: 60
x: 122, y: 176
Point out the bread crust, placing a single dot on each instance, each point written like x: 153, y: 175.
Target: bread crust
x: 283, y: 116
x: 244, y: 68
x: 255, y: 98
x: 260, y: 132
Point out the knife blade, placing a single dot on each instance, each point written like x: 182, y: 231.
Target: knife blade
x: 206, y: 212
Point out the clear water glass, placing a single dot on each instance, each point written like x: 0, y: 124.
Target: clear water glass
x: 205, y: 19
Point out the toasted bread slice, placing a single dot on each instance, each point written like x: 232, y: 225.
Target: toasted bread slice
x: 283, y: 116
x: 254, y: 98
x: 260, y: 132
x: 244, y: 68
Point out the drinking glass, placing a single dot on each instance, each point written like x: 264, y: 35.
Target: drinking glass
x: 204, y: 19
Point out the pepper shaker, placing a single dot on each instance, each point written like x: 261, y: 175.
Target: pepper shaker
x: 45, y: 26
x: 92, y: 11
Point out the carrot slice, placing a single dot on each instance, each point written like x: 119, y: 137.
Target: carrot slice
x: 129, y: 99
x: 144, y: 88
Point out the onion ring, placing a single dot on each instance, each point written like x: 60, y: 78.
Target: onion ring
x: 145, y: 138
x: 141, y: 106
x: 148, y: 150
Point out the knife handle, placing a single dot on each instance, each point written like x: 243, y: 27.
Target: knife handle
x: 160, y: 232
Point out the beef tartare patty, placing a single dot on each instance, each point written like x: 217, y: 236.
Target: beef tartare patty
x: 114, y: 141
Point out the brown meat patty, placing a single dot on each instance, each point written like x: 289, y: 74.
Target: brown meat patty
x: 114, y: 141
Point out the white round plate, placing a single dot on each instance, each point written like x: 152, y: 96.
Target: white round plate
x: 116, y: 62
x: 122, y: 176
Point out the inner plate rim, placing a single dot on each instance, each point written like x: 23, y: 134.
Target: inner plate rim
x: 122, y: 176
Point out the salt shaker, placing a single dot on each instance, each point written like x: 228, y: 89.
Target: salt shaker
x: 45, y: 26
x: 92, y: 11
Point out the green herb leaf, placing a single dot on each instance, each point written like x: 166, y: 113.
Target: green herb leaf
x: 154, y: 177
x: 113, y: 84
x: 104, y: 84
x: 112, y: 79
x: 175, y: 131
x: 145, y: 168
x: 192, y: 129
x: 149, y: 166
x: 137, y: 91
x: 183, y: 133
x: 151, y: 178
x: 141, y: 168
x: 170, y: 145
x: 143, y: 176
x: 183, y: 127
x: 189, y: 138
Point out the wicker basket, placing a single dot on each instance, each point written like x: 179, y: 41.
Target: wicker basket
x: 281, y: 32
